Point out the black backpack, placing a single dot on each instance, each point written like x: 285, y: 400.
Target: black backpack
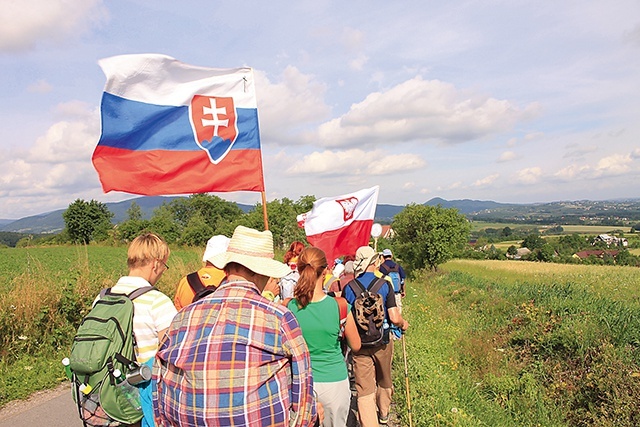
x: 199, y: 289
x: 368, y: 311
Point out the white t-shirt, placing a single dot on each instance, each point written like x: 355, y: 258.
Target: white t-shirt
x: 153, y: 312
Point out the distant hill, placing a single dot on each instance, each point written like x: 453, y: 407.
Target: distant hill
x: 567, y: 212
x: 52, y: 222
x: 467, y: 206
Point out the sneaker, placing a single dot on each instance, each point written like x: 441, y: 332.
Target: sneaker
x: 383, y: 421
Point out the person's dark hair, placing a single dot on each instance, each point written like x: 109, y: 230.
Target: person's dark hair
x: 311, y: 264
x: 294, y: 250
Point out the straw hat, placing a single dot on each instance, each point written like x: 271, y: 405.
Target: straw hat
x: 365, y: 256
x: 254, y: 250
x: 215, y: 246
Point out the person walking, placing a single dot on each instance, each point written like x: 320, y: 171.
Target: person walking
x: 147, y: 258
x: 206, y: 278
x: 372, y: 365
x: 235, y: 358
x: 319, y: 318
x: 391, y: 268
x: 288, y: 282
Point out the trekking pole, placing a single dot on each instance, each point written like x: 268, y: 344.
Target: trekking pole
x: 406, y: 380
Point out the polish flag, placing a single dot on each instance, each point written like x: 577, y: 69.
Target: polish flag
x: 340, y: 225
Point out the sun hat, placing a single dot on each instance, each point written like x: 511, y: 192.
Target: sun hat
x: 254, y: 250
x: 365, y: 256
x: 215, y: 246
x: 387, y: 252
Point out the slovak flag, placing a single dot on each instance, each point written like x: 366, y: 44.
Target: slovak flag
x: 340, y: 225
x: 173, y: 128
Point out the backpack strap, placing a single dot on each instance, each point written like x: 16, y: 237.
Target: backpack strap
x: 133, y: 295
x: 140, y: 291
x: 342, y: 309
x: 195, y: 282
x: 356, y: 287
x: 376, y: 284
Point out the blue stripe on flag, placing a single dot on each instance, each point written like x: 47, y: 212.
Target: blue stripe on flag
x: 134, y: 125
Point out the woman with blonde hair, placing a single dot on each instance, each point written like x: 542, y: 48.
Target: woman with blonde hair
x: 319, y: 317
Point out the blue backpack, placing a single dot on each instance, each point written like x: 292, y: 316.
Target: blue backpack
x: 394, y: 274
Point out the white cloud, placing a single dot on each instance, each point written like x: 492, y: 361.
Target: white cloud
x: 533, y: 136
x: 27, y: 23
x: 422, y: 111
x: 507, y: 156
x: 529, y: 175
x: 610, y: 166
x: 573, y: 172
x: 358, y: 62
x: 613, y: 165
x: 355, y: 162
x: 58, y: 163
x: 409, y: 185
x: 488, y: 180
x: 293, y: 103
x: 41, y: 86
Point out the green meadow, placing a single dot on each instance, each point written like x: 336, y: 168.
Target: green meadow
x: 507, y: 343
x: 491, y: 343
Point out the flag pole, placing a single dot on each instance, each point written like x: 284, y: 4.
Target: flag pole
x: 264, y: 210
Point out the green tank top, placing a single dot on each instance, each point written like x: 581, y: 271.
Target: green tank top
x: 320, y: 324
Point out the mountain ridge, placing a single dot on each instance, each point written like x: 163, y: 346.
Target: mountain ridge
x: 629, y: 209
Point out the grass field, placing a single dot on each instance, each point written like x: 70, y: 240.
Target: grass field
x: 491, y: 343
x: 502, y: 343
x: 567, y: 229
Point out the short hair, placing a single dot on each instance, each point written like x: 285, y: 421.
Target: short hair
x: 146, y: 248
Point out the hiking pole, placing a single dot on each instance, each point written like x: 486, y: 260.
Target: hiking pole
x: 406, y: 380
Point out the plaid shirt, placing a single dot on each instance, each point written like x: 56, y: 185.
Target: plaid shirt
x: 234, y: 359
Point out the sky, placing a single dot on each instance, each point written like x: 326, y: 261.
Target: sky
x: 505, y: 100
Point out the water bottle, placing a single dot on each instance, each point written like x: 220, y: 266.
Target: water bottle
x: 131, y: 393
x: 141, y: 374
x: 67, y: 369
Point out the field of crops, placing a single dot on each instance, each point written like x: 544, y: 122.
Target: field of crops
x: 507, y: 343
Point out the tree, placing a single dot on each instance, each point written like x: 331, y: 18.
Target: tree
x: 512, y: 250
x: 87, y: 221
x: 214, y: 210
x: 282, y: 215
x: 427, y: 236
x: 532, y: 242
x: 134, y: 213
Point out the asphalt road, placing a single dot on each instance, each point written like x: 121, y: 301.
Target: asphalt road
x: 54, y: 408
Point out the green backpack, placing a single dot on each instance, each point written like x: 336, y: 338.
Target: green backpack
x: 103, y: 343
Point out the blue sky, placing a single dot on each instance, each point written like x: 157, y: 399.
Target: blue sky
x: 512, y: 101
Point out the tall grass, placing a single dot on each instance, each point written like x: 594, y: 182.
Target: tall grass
x: 513, y: 343
x: 45, y: 293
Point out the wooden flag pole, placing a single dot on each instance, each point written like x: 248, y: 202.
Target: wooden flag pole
x: 264, y: 210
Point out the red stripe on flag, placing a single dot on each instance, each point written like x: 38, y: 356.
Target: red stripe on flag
x: 153, y: 173
x: 343, y: 241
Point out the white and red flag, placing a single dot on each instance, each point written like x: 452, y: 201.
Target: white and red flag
x: 340, y: 225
